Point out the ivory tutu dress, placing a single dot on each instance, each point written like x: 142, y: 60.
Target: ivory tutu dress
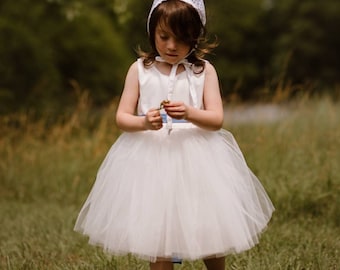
x: 187, y: 193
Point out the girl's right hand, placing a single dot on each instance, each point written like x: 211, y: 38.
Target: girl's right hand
x: 153, y: 120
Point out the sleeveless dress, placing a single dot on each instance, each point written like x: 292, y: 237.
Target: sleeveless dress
x: 187, y: 193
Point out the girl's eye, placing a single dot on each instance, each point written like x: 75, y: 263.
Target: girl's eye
x: 164, y: 37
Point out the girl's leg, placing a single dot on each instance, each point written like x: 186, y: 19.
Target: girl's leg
x: 215, y: 263
x: 161, y: 265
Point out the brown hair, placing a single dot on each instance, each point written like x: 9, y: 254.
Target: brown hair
x: 185, y: 23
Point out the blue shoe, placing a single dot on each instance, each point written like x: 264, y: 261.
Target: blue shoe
x: 176, y: 260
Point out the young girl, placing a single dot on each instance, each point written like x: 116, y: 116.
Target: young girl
x: 174, y: 185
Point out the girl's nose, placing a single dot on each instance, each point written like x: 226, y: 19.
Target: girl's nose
x: 172, y: 44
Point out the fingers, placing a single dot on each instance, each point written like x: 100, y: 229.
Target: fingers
x: 177, y: 110
x: 153, y: 120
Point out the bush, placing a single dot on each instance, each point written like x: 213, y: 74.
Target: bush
x: 52, y: 45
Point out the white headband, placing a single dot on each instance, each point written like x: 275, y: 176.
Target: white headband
x: 197, y: 4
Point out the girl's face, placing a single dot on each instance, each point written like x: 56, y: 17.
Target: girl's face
x: 169, y: 47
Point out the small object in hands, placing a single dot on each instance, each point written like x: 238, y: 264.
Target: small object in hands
x: 161, y: 106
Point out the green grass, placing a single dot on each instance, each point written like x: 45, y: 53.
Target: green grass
x: 47, y: 169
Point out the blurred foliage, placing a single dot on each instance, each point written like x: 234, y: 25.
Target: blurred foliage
x: 50, y: 49
x: 308, y: 30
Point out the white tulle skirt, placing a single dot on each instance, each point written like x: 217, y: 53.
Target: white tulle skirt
x: 189, y: 195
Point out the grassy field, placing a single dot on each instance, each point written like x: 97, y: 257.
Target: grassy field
x: 47, y: 169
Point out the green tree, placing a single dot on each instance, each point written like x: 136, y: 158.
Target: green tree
x: 54, y: 43
x: 308, y: 39
x: 27, y: 72
x: 244, y: 51
x: 91, y: 51
x: 132, y: 18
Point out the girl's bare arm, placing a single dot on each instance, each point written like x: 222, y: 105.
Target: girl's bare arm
x: 126, y: 118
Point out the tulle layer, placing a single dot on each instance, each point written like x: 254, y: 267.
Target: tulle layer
x: 189, y: 194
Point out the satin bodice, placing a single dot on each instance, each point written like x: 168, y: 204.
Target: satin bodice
x: 154, y: 87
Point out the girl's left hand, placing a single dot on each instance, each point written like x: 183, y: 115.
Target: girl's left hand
x: 176, y: 109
